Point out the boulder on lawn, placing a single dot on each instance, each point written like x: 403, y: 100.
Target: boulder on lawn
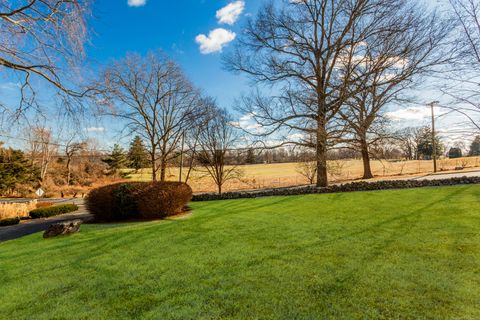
x: 62, y: 228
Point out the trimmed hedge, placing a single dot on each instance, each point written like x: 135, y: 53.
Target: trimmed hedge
x: 9, y: 222
x: 348, y: 187
x: 138, y: 200
x: 53, y: 211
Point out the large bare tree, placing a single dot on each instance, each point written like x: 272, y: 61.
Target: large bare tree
x: 393, y: 60
x: 43, y: 39
x: 155, y: 99
x: 305, y: 52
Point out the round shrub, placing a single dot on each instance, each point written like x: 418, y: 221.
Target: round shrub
x: 138, y: 200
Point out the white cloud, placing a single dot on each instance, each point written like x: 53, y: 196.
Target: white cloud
x: 216, y: 40
x: 248, y: 123
x: 231, y: 12
x: 95, y: 129
x: 137, y: 3
x: 413, y: 113
x: 296, y: 137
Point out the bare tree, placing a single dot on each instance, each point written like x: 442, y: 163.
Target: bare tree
x: 42, y: 148
x: 72, y: 148
x: 206, y: 109
x: 155, y: 99
x: 464, y: 81
x: 408, y: 140
x: 308, y: 170
x: 43, y: 38
x: 393, y: 60
x: 305, y: 51
x: 216, y: 140
x: 307, y: 166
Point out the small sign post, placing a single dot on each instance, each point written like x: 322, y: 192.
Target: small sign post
x: 40, y: 192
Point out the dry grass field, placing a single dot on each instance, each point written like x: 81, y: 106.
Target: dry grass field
x: 13, y: 210
x: 285, y: 174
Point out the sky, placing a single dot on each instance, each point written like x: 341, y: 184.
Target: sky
x: 195, y: 33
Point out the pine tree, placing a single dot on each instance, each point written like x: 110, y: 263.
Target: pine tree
x: 425, y: 147
x: 15, y: 169
x: 455, y: 152
x: 475, y: 147
x: 116, y: 160
x: 137, y: 154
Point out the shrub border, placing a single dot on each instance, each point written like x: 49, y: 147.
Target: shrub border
x: 347, y: 187
x: 53, y: 211
x: 9, y: 222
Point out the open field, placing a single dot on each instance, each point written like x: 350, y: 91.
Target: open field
x: 410, y: 254
x: 285, y: 174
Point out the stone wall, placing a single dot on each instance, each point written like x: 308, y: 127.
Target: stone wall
x: 348, y: 187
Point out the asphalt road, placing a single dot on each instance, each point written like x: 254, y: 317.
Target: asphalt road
x: 27, y: 227
x: 440, y: 176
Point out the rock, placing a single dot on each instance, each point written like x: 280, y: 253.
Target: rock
x: 62, y: 228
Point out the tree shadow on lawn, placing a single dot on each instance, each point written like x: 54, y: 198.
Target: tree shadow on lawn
x: 375, y: 252
x: 339, y: 284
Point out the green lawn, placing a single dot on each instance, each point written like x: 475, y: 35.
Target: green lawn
x: 377, y: 255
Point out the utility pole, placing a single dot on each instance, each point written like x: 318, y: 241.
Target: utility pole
x: 434, y: 142
x: 181, y: 157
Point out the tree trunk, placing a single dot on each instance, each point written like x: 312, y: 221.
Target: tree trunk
x: 367, y: 170
x: 219, y: 189
x: 68, y: 172
x: 321, y: 157
x: 154, y: 167
x: 163, y: 170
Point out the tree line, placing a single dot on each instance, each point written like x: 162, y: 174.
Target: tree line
x: 324, y: 72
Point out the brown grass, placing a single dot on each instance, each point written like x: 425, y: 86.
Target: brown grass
x: 13, y: 210
x: 44, y: 204
x: 285, y: 174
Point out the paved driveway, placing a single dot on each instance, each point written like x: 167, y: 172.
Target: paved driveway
x: 37, y: 225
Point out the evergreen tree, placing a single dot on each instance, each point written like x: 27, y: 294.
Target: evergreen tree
x: 15, y: 169
x: 475, y: 147
x: 425, y: 147
x: 137, y: 154
x: 250, y: 159
x: 116, y: 160
x: 455, y: 153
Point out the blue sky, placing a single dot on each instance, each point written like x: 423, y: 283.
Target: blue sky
x: 172, y: 26
x: 194, y: 33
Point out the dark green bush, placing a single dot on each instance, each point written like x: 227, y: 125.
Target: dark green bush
x: 53, y: 211
x: 9, y: 222
x: 138, y: 200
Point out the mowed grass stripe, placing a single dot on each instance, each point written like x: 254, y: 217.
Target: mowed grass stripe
x: 387, y: 254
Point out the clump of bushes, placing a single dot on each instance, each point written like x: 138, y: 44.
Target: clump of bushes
x: 138, y: 200
x: 53, y: 211
x: 9, y: 222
